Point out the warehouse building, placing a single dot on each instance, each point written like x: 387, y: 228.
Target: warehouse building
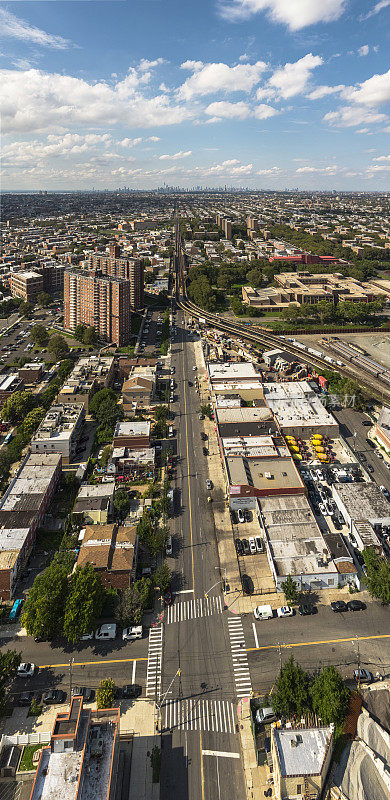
x: 299, y: 410
x: 362, y: 501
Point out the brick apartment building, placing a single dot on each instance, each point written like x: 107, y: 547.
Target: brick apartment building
x: 129, y: 269
x: 113, y: 551
x: 98, y: 300
x: 26, y: 284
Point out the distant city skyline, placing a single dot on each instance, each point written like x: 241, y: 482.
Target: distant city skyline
x: 266, y: 94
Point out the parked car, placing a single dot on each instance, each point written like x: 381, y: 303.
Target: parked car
x: 201, y: 416
x: 239, y: 547
x: 132, y: 633
x: 205, y: 451
x: 131, y: 690
x: 209, y: 484
x: 259, y: 544
x: 338, y: 605
x: 265, y: 715
x: 203, y: 436
x: 53, y: 697
x: 263, y: 612
x: 363, y: 675
x: 306, y: 609
x: 252, y: 546
x: 85, y: 692
x: 240, y: 515
x: 106, y: 631
x: 356, y: 605
x: 24, y: 699
x: 245, y: 545
x: 285, y: 611
x: 25, y: 670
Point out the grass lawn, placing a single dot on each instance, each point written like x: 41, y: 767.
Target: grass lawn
x: 26, y: 761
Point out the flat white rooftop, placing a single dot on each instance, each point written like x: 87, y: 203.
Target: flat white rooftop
x: 308, y: 754
x: 232, y: 371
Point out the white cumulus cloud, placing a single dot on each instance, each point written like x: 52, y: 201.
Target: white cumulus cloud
x: 217, y: 77
x: 292, y: 79
x: 296, y: 14
x: 363, y: 50
x: 175, y: 156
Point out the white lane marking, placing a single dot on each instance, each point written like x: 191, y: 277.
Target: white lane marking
x: 220, y: 754
x: 255, y: 634
x: 133, y: 673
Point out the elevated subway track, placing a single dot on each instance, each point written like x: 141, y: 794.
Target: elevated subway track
x: 374, y: 385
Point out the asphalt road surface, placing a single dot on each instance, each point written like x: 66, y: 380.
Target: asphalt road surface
x: 201, y: 749
x: 355, y: 433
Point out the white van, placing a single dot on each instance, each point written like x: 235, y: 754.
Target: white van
x: 169, y: 547
x: 130, y: 634
x: 170, y: 431
x: 106, y: 631
x: 263, y: 612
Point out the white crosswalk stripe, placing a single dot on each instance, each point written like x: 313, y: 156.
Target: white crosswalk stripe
x: 153, y: 674
x: 197, y: 714
x: 242, y: 676
x: 194, y: 608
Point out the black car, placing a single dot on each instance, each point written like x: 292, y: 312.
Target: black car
x: 203, y: 436
x: 131, y: 690
x: 367, y: 423
x: 356, y: 605
x: 83, y: 691
x: 362, y: 457
x: 369, y: 468
x: 24, y: 699
x: 190, y: 383
x: 246, y: 547
x: 205, y: 451
x: 339, y: 605
x: 306, y: 610
x: 53, y: 696
x: 239, y: 547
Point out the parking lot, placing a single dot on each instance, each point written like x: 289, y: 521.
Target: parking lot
x: 254, y: 564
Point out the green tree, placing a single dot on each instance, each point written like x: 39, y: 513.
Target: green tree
x: 17, y: 406
x: 378, y: 575
x: 121, y: 501
x: 26, y: 308
x: 39, y: 335
x: 84, y: 603
x: 90, y: 337
x: 162, y: 577
x: 290, y: 589
x: 157, y: 539
x: 104, y: 408
x: 9, y: 662
x: 291, y: 695
x: 43, y: 299
x: 79, y: 332
x: 43, y: 611
x: 106, y: 455
x: 329, y: 696
x: 58, y: 347
x: 161, y: 414
x: 105, y: 696
x: 31, y: 422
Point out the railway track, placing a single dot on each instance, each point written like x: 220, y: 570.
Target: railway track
x: 374, y: 385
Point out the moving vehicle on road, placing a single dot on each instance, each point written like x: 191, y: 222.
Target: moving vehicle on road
x: 25, y: 670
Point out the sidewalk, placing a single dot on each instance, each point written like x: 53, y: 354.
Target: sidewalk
x: 139, y: 717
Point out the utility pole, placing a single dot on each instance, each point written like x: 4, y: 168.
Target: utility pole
x: 358, y: 661
x: 70, y: 676
x: 280, y: 655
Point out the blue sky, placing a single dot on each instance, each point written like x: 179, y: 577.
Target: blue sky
x: 257, y: 93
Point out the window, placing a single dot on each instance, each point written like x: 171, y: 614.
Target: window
x: 299, y: 788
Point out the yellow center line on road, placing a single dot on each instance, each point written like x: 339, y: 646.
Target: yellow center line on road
x: 90, y: 663
x: 325, y: 641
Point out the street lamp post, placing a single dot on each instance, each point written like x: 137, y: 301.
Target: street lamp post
x: 70, y: 676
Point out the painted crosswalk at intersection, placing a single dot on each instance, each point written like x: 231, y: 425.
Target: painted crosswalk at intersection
x: 153, y: 674
x: 193, y: 609
x: 198, y: 714
x: 241, y: 672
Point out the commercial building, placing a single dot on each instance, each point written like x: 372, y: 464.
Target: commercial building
x: 382, y: 428
x: 113, y: 552
x: 130, y: 269
x: 31, y: 372
x: 59, y: 431
x: 301, y: 760
x: 134, y: 435
x: 232, y: 379
x: 362, y: 502
x: 88, y: 376
x: 305, y: 287
x: 26, y: 284
x: 95, y: 502
x: 100, y: 301
x: 299, y: 410
x: 22, y: 510
x: 81, y: 761
x: 296, y: 546
x: 250, y: 478
x: 8, y: 385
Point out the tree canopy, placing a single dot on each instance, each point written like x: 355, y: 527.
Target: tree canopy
x: 84, y: 603
x: 291, y: 696
x: 105, y: 696
x: 39, y: 335
x: 58, y: 347
x: 43, y: 611
x: 378, y: 575
x: 329, y: 696
x: 9, y: 662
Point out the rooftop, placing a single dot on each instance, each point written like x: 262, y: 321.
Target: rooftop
x: 264, y: 474
x: 294, y: 402
x: 232, y: 371
x: 307, y: 755
x: 132, y: 429
x: 364, y: 501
